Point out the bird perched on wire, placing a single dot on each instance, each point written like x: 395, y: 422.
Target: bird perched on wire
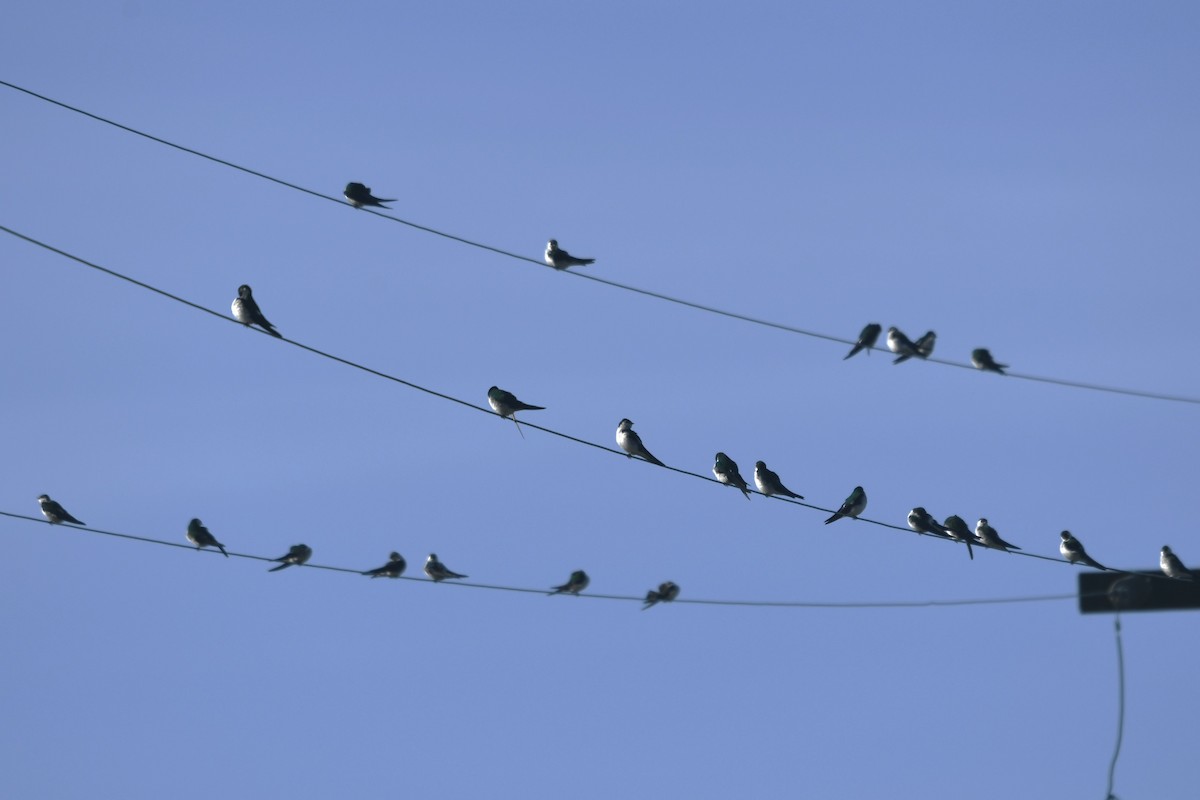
x: 200, y: 536
x: 665, y: 593
x: 561, y: 259
x: 1072, y: 550
x: 922, y: 521
x: 956, y: 528
x: 631, y: 443
x: 1172, y: 567
x: 982, y: 359
x: 360, y: 196
x: 866, y: 340
x: 437, y: 570
x: 394, y: 568
x: 768, y: 482
x: 246, y: 311
x: 55, y: 513
x: 296, y: 554
x: 924, y: 345
x: 988, y: 537
x: 578, y: 581
x: 726, y: 470
x: 506, y: 404
x: 854, y: 505
x: 901, y: 345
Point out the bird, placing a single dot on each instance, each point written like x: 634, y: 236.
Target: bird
x: 855, y: 504
x: 578, y: 581
x: 726, y: 470
x: 922, y: 521
x: 360, y: 196
x: 561, y: 259
x: 988, y: 537
x: 768, y: 482
x: 296, y: 554
x: 200, y: 536
x: 957, y: 529
x: 866, y: 339
x: 631, y: 443
x: 665, y: 593
x: 437, y: 570
x: 1173, y: 567
x: 54, y: 512
x: 924, y: 345
x: 1072, y: 550
x: 506, y: 404
x: 394, y: 568
x: 901, y: 345
x: 983, y: 360
x: 247, y: 312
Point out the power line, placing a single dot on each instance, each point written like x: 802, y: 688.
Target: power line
x: 470, y: 405
x: 593, y: 596
x: 1112, y: 765
x: 624, y: 287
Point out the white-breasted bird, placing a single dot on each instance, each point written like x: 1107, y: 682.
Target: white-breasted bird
x: 665, y: 593
x: 1072, y: 550
x: 726, y: 470
x: 922, y: 521
x: 854, y: 505
x: 360, y: 196
x: 200, y: 536
x: 956, y: 528
x: 54, y: 512
x: 246, y: 311
x: 988, y: 537
x: 768, y: 482
x: 1173, y: 567
x: 578, y: 581
x: 982, y: 359
x: 394, y: 568
x: 631, y: 443
x: 561, y: 259
x: 506, y: 404
x: 296, y: 554
x: 866, y: 339
x: 437, y: 570
x: 901, y: 345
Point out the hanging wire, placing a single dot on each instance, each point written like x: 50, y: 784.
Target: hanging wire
x: 1112, y: 766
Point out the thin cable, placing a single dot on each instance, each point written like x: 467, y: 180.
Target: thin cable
x: 472, y: 406
x: 1112, y: 766
x: 526, y: 590
x: 625, y: 287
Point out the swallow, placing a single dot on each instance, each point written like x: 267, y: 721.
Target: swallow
x: 55, y: 512
x: 394, y: 568
x: 1173, y: 567
x: 924, y: 345
x: 768, y: 482
x: 957, y: 529
x: 506, y: 404
x: 922, y: 521
x: 855, y: 504
x: 1072, y: 550
x: 578, y: 581
x: 866, y: 340
x: 437, y: 570
x: 726, y: 470
x: 360, y: 196
x: 665, y: 593
x: 983, y: 360
x: 246, y: 311
x: 631, y: 443
x: 296, y: 554
x: 561, y: 259
x: 900, y: 344
x: 988, y: 537
x: 199, y: 535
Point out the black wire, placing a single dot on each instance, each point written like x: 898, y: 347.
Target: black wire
x: 525, y: 590
x: 1112, y: 766
x: 614, y: 284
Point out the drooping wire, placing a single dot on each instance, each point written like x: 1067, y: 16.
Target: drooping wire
x: 1112, y: 765
x: 615, y: 284
x: 460, y: 401
x: 590, y: 595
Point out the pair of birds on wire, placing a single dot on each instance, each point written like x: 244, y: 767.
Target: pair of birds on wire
x: 905, y: 348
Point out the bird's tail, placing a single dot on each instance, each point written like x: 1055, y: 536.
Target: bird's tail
x: 274, y: 333
x: 852, y: 352
x: 834, y: 518
x: 281, y: 566
x: 221, y: 547
x: 899, y: 359
x: 646, y: 454
x: 969, y: 551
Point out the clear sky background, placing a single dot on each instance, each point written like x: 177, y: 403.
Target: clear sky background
x: 1019, y: 176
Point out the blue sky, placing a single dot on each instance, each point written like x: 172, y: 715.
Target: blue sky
x: 1019, y: 176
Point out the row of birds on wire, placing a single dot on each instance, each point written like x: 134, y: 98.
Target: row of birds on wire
x: 904, y: 348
